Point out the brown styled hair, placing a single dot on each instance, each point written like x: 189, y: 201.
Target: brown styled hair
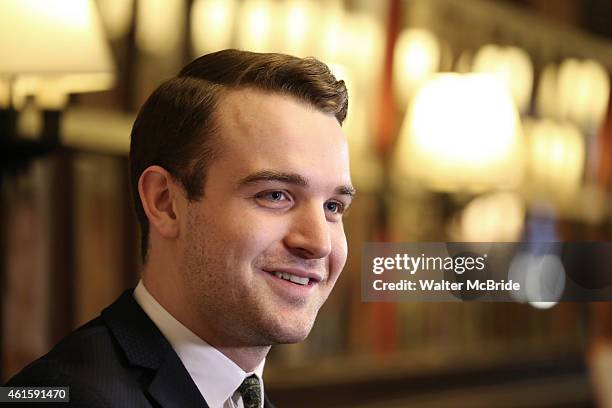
x: 175, y: 128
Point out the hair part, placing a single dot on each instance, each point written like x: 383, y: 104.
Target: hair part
x: 176, y: 126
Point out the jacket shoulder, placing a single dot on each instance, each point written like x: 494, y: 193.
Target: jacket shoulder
x: 89, y: 362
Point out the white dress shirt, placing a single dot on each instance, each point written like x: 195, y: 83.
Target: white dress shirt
x: 216, y: 376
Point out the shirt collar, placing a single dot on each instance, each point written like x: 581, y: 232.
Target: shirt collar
x: 216, y: 376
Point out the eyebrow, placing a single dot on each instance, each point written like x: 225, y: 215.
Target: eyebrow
x: 290, y: 178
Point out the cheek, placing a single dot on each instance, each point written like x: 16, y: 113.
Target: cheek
x: 339, y: 251
x: 252, y: 233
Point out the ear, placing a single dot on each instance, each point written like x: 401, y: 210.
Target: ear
x: 158, y: 194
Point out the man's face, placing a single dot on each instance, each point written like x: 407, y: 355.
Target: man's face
x: 264, y: 247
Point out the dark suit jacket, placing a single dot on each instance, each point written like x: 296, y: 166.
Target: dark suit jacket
x: 119, y: 359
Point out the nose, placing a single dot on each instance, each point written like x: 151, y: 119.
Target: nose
x: 309, y: 234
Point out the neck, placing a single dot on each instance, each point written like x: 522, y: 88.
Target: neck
x: 167, y: 294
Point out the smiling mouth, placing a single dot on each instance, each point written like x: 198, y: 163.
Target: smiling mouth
x: 298, y: 280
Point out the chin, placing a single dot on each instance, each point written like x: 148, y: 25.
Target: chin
x: 289, y: 334
x: 290, y: 338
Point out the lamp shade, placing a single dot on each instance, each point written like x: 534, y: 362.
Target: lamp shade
x: 52, y: 48
x: 584, y: 91
x: 512, y: 67
x: 557, y: 154
x: 461, y: 133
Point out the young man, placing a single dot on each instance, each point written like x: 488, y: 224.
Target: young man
x: 240, y: 176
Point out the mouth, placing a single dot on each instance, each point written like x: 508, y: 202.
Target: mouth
x: 299, y: 278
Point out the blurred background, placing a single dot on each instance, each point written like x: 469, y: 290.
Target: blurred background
x: 469, y: 120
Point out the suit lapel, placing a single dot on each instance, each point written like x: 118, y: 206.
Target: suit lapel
x: 170, y: 389
x: 145, y: 346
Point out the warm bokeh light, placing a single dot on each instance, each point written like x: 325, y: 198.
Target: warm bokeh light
x: 51, y: 49
x: 362, y: 46
x: 330, y: 35
x: 576, y: 91
x: 158, y: 31
x: 512, y: 67
x: 416, y: 56
x: 211, y: 25
x: 462, y: 132
x: 256, y: 25
x: 299, y: 19
x: 584, y: 90
x: 496, y: 217
x: 556, y: 158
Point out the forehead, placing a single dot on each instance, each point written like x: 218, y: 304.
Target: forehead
x: 265, y: 130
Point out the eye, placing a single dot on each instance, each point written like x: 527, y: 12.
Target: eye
x: 334, y: 207
x: 274, y: 195
x: 273, y: 198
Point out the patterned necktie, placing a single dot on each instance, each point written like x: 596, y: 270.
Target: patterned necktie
x: 251, y: 392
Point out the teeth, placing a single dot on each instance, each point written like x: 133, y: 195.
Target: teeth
x: 295, y: 279
x: 298, y: 280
